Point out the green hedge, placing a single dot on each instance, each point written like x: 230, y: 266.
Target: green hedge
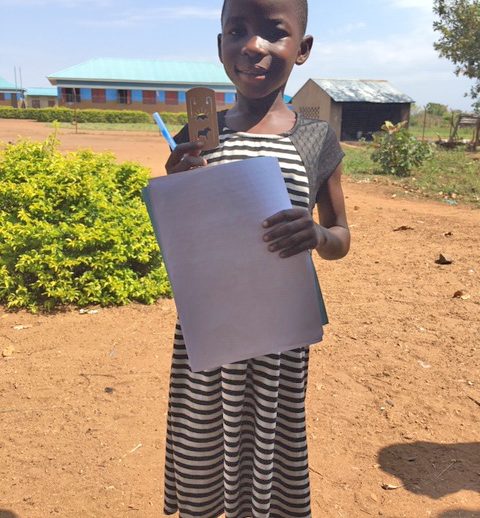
x: 62, y: 114
x: 74, y: 230
x: 180, y: 118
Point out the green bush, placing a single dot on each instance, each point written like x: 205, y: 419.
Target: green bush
x: 397, y: 152
x: 63, y: 114
x: 178, y: 119
x: 74, y: 230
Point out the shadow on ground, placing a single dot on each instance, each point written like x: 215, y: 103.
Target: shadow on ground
x: 433, y: 469
x: 7, y: 514
x: 460, y: 513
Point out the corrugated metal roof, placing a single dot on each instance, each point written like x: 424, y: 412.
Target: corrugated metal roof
x: 145, y: 71
x: 362, y: 90
x: 42, y: 92
x: 5, y: 85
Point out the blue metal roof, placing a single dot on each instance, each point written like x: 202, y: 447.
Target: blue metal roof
x: 148, y: 71
x: 362, y: 90
x: 42, y: 92
x: 6, y: 86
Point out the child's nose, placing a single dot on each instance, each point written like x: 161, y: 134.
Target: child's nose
x: 255, y: 46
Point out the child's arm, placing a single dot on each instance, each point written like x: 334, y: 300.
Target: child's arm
x: 293, y: 231
x: 334, y: 241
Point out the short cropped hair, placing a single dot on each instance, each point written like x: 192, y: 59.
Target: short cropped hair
x: 301, y: 9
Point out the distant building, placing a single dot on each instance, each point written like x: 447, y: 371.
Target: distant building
x: 139, y: 84
x: 10, y: 95
x: 354, y: 108
x: 41, y: 97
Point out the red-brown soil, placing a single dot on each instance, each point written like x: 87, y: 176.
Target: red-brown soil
x: 394, y: 390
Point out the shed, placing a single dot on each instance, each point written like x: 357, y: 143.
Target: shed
x: 10, y: 95
x: 354, y: 108
x: 148, y: 85
x: 41, y: 97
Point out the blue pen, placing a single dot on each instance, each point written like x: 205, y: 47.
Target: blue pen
x: 164, y: 131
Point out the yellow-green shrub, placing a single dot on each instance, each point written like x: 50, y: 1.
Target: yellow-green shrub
x: 74, y: 230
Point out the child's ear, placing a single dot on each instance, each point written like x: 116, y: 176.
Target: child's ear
x: 304, y: 50
x: 219, y: 47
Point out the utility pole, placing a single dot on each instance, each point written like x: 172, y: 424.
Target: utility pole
x: 15, y: 105
x: 424, y: 124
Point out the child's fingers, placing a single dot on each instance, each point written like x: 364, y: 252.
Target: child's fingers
x: 288, y: 228
x: 290, y: 252
x: 294, y: 244
x: 284, y: 215
x: 188, y: 162
x: 185, y: 156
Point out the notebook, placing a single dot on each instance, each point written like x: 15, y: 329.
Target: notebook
x: 235, y: 299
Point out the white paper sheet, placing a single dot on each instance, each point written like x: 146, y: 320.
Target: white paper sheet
x: 235, y: 299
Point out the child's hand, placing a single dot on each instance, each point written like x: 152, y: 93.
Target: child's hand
x: 292, y: 231
x: 184, y: 157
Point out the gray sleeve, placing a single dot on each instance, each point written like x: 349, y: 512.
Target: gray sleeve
x: 330, y: 156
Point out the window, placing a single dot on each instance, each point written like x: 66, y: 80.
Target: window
x: 71, y: 95
x: 35, y: 103
x: 98, y: 95
x: 51, y: 103
x: 220, y: 97
x: 171, y: 97
x: 2, y: 96
x: 124, y: 97
x: 149, y: 97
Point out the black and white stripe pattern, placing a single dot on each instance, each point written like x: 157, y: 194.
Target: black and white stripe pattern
x: 236, y: 439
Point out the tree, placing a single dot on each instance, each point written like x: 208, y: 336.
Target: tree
x: 459, y: 26
x: 437, y: 109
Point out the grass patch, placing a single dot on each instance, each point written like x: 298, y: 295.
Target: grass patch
x: 358, y: 162
x: 451, y: 173
x: 443, y: 132
x: 106, y: 126
x: 448, y: 175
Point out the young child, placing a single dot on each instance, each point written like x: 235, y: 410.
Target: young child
x: 236, y: 439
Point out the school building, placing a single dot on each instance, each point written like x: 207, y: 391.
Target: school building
x: 41, y: 97
x: 136, y: 84
x: 10, y: 95
x: 354, y: 108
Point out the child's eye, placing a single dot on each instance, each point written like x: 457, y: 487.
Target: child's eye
x: 276, y: 34
x: 235, y: 31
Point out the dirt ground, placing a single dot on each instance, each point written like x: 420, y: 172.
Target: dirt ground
x: 394, y: 389
x: 146, y: 147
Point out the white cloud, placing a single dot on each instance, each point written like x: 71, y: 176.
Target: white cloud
x: 424, y: 5
x: 131, y: 17
x: 408, y: 60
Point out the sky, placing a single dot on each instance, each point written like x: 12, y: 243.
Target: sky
x: 367, y: 39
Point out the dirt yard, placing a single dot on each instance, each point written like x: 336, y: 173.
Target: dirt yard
x: 394, y: 390
x: 146, y: 147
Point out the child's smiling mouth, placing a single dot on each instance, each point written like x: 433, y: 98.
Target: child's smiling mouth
x: 255, y: 72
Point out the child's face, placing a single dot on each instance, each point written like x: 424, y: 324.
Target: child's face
x: 260, y: 43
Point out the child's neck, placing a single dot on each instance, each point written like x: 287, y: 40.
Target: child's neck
x: 267, y: 116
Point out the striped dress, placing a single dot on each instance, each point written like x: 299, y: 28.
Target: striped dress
x: 236, y: 435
